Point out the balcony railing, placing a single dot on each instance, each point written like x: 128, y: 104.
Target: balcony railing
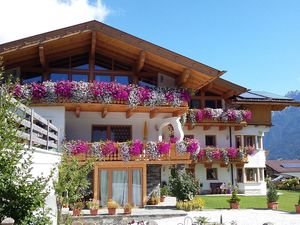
x: 132, y: 151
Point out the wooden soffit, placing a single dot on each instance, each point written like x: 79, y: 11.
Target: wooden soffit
x: 77, y: 39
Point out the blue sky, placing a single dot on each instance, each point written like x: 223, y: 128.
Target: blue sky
x: 256, y: 41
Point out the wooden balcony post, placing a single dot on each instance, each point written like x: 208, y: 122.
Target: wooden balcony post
x: 31, y: 128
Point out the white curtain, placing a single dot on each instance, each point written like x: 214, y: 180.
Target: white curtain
x: 136, y: 187
x: 120, y: 186
x: 103, y: 187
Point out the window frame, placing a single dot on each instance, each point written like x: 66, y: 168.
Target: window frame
x: 108, y: 130
x: 214, y: 140
x: 214, y: 170
x: 253, y: 140
x: 255, y: 175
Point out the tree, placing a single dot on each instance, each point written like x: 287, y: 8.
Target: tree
x: 182, y: 185
x: 22, y: 196
x: 72, y: 183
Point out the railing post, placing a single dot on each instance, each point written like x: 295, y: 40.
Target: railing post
x: 31, y: 128
x: 47, y: 145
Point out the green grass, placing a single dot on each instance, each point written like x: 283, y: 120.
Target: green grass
x: 287, y: 201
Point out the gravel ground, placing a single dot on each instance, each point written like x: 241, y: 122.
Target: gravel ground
x: 241, y: 217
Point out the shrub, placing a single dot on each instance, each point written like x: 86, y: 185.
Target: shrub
x: 289, y: 184
x: 111, y: 204
x: 272, y: 195
x: 183, y: 186
x: 164, y: 191
x: 196, y: 204
x: 234, y: 197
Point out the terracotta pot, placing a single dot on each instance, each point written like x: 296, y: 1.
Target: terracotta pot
x: 162, y: 198
x: 272, y: 205
x: 111, y: 211
x: 127, y: 211
x: 234, y: 205
x: 94, y: 212
x: 76, y: 212
x: 297, y: 207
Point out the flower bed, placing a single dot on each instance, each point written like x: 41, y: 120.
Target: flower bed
x: 132, y: 149
x: 222, y: 115
x: 225, y: 155
x: 100, y: 92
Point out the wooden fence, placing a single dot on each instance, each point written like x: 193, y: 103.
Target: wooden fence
x: 36, y: 130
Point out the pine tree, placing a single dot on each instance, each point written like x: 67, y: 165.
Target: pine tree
x: 22, y: 196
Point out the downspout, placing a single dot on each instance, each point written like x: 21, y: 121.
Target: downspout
x: 231, y: 165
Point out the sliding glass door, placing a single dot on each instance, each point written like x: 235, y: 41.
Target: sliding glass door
x: 120, y: 186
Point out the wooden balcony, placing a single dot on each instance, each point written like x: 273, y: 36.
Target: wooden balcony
x: 236, y: 160
x: 173, y: 157
x: 105, y: 109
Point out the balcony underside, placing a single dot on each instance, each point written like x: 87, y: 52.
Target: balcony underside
x: 222, y: 125
x: 104, y: 109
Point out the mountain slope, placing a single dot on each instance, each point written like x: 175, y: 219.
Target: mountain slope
x: 283, y: 140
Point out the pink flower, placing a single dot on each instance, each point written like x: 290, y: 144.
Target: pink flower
x: 216, y: 154
x: 108, y: 148
x: 231, y: 114
x: 192, y: 145
x: 174, y: 139
x: 38, y: 90
x: 163, y: 147
x: 136, y: 147
x: 199, y: 115
x: 201, y: 154
x: 232, y: 152
x: 207, y: 113
x: 64, y: 88
x: 18, y: 91
x: 79, y: 147
x: 247, y: 115
x: 185, y: 96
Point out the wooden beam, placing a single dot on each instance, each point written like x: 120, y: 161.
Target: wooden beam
x: 236, y: 128
x: 42, y: 56
x: 222, y: 128
x: 228, y: 94
x: 141, y: 61
x: 129, y: 113
x: 104, y: 112
x: 77, y: 111
x: 177, y: 113
x: 153, y: 113
x: 206, y: 127
x: 208, y: 87
x: 92, y: 56
x: 183, y: 78
x: 190, y: 126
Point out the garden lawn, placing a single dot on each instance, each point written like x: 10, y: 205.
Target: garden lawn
x: 287, y: 201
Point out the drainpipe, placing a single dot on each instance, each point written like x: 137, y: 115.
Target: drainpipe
x: 231, y: 165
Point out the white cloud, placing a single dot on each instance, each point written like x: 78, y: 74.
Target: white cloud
x: 23, y: 18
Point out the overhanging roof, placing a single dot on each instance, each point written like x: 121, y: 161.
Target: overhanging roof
x: 78, y: 39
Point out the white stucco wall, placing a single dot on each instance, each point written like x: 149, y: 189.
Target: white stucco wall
x: 56, y: 114
x: 81, y: 128
x: 43, y: 162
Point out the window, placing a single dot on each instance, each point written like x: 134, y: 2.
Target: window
x: 261, y: 174
x: 238, y: 141
x: 122, y: 79
x: 251, y: 174
x: 114, y: 132
x: 211, y: 174
x: 103, y: 78
x: 213, y: 104
x: 31, y: 77
x: 259, y: 142
x: 210, y: 140
x: 239, y: 175
x: 249, y: 140
x: 58, y: 76
x: 195, y: 104
x: 80, y: 77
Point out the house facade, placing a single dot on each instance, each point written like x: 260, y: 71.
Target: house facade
x: 142, y: 111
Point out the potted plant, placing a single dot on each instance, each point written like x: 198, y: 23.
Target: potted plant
x: 234, y: 200
x: 127, y: 208
x: 112, y: 206
x: 93, y: 205
x: 164, y: 191
x: 76, y: 208
x: 298, y: 206
x: 272, y: 197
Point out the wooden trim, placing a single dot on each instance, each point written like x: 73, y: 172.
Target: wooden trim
x: 153, y: 113
x: 141, y: 61
x: 104, y: 112
x: 129, y: 172
x: 183, y: 78
x: 92, y: 56
x: 129, y: 113
x: 77, y: 111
